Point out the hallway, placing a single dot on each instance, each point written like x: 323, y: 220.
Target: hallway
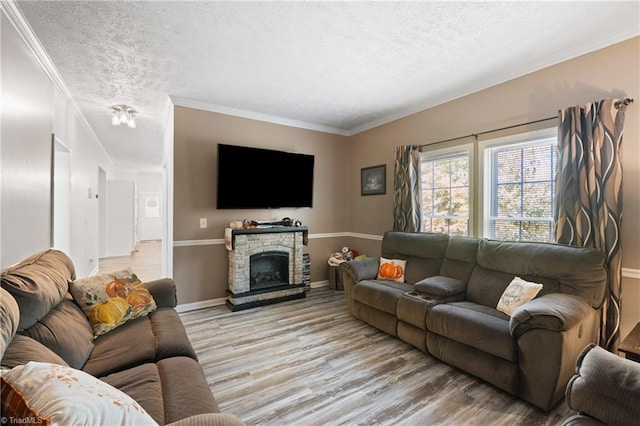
x: 145, y: 261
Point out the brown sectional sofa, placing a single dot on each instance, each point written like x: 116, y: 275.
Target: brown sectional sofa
x: 149, y: 358
x: 447, y: 307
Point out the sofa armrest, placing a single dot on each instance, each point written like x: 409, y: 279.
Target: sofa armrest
x: 209, y: 419
x: 362, y: 269
x: 581, y: 420
x: 555, y: 312
x: 163, y: 292
x: 605, y: 387
x: 440, y: 287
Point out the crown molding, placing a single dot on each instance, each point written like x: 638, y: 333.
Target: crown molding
x: 253, y: 115
x: 17, y: 19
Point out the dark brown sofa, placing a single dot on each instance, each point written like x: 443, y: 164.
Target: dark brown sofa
x: 149, y: 358
x: 604, y: 391
x: 447, y: 307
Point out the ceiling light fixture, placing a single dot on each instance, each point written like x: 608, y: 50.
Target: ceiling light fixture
x: 123, y: 114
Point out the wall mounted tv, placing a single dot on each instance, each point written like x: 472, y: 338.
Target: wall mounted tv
x: 254, y: 178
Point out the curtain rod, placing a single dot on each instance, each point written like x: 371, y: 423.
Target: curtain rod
x: 617, y: 105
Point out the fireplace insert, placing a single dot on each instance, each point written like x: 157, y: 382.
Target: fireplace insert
x: 269, y: 269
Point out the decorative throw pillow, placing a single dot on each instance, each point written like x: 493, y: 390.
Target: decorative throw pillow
x: 392, y: 269
x: 517, y: 293
x: 62, y: 395
x: 109, y: 300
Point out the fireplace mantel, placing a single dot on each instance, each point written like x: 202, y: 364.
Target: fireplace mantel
x: 246, y: 243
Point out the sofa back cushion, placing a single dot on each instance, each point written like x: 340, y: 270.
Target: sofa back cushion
x: 563, y: 269
x: 38, y: 283
x: 424, y: 252
x: 460, y: 258
x: 66, y: 331
x: 9, y: 318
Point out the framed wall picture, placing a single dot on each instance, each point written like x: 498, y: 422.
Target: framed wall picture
x: 373, y: 180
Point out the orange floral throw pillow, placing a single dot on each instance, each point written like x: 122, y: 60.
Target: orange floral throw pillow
x: 392, y: 269
x: 60, y: 395
x: 109, y: 300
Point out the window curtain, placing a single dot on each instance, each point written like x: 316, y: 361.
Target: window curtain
x: 589, y: 194
x: 406, y: 189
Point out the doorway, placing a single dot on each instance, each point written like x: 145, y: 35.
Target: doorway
x: 61, y: 196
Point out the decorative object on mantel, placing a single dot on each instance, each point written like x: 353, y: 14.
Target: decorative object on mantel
x: 254, y: 224
x: 373, y: 180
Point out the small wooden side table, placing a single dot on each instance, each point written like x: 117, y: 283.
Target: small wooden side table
x: 631, y: 344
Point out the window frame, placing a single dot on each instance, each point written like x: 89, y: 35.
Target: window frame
x: 434, y: 154
x: 485, y: 176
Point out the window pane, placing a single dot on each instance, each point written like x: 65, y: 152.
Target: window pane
x: 507, y: 230
x: 441, y: 174
x: 460, y: 172
x: 509, y: 199
x: 427, y: 202
x: 459, y: 227
x: 439, y: 225
x: 537, y: 200
x: 508, y: 166
x: 537, y: 231
x: 460, y: 201
x: 442, y: 201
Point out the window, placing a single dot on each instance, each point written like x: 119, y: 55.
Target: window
x: 445, y: 190
x: 519, y: 188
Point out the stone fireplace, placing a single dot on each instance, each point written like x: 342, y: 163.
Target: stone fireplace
x: 265, y: 266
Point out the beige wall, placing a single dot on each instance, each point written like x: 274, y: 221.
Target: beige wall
x: 608, y: 73
x: 32, y: 110
x: 200, y: 260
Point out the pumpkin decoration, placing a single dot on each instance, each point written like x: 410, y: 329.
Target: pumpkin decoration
x: 109, y: 312
x: 139, y: 300
x: 117, y: 288
x: 391, y: 269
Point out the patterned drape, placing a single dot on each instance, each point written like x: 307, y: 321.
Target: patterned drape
x: 406, y: 189
x: 589, y: 194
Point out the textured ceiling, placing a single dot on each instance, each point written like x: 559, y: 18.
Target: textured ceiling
x: 341, y: 67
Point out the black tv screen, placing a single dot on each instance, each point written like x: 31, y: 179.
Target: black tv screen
x: 253, y: 178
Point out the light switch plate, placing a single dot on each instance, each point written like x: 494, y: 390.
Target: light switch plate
x: 203, y: 222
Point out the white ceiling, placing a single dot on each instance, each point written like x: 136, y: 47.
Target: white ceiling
x: 340, y: 67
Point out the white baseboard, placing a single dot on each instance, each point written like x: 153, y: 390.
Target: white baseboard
x: 186, y: 307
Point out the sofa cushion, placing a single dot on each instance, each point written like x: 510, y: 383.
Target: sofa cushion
x: 170, y: 335
x: 380, y: 294
x: 23, y: 349
x: 65, y: 331
x: 9, y: 319
x: 38, y: 283
x: 111, y: 299
x: 423, y: 251
x: 69, y: 396
x: 122, y: 348
x: 460, y: 258
x: 142, y: 383
x: 185, y: 389
x: 586, y: 277
x: 474, y: 325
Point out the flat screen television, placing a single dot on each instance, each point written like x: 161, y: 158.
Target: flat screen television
x: 254, y: 178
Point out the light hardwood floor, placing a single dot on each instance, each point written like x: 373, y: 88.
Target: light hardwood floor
x: 309, y: 362
x: 145, y: 261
